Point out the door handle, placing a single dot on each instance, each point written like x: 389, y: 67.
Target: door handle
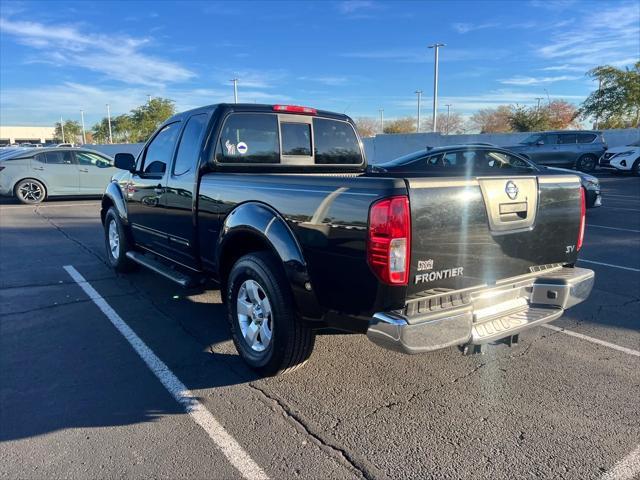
x: 38, y: 168
x: 85, y: 170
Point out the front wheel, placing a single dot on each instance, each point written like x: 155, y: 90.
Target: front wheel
x: 587, y: 163
x: 116, y: 242
x: 262, y: 318
x: 30, y: 191
x: 636, y: 167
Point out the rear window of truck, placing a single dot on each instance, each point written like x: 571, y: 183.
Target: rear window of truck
x: 335, y: 143
x: 249, y: 138
x: 264, y: 138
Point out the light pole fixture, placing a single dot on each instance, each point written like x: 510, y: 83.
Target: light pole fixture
x: 448, y: 105
x: 419, y: 93
x: 235, y: 89
x: 109, y: 122
x: 62, y: 128
x: 436, y: 48
x: 381, y: 120
x: 84, y: 138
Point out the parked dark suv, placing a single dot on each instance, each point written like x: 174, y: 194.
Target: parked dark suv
x: 579, y: 149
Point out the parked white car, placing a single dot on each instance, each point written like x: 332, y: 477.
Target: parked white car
x: 626, y: 158
x: 32, y: 175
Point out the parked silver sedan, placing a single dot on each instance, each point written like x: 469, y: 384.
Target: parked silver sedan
x: 34, y: 175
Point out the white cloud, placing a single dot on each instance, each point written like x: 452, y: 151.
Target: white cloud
x: 331, y: 81
x: 463, y: 27
x: 521, y: 80
x: 607, y: 36
x: 349, y: 7
x: 48, y: 102
x: 117, y: 57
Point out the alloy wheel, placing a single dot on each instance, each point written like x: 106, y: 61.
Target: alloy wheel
x: 30, y: 192
x: 114, y: 239
x: 254, y: 315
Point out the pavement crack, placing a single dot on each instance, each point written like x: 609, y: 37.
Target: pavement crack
x: 361, y: 467
x: 62, y: 304
x: 69, y: 237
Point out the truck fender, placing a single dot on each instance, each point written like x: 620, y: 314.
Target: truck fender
x: 258, y: 219
x: 113, y: 196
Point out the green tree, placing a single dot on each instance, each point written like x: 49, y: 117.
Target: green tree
x: 147, y: 118
x: 617, y: 100
x: 529, y: 119
x: 100, y: 131
x: 72, y: 132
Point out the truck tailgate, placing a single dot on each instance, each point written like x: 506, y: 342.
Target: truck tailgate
x: 473, y: 232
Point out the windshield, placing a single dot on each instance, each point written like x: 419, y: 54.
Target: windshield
x: 532, y: 139
x: 635, y: 144
x: 408, y: 158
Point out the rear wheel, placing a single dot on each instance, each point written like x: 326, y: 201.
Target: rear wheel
x: 636, y: 167
x: 587, y: 163
x: 30, y: 191
x: 116, y: 242
x: 264, y: 327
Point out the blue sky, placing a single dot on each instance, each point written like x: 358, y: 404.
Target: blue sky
x: 356, y: 56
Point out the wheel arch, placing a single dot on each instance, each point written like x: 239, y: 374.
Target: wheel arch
x: 254, y: 226
x: 113, y: 197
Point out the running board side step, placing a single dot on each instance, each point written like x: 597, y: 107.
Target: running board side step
x: 163, y: 269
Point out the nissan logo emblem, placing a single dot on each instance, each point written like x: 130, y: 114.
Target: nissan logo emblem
x: 511, y: 189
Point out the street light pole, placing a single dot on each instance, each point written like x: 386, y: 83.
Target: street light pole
x: 235, y: 90
x: 436, y: 48
x: 109, y: 121
x: 448, y: 105
x: 419, y: 93
x: 381, y: 120
x: 62, y: 128
x: 84, y: 138
x: 538, y: 99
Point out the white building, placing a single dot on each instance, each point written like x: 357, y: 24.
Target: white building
x: 18, y: 134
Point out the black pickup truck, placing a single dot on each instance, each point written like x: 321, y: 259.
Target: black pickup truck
x: 276, y: 203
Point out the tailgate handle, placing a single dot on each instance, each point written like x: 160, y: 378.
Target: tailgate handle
x: 510, y: 212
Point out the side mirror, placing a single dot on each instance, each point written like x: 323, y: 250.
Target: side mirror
x: 540, y: 142
x: 125, y: 161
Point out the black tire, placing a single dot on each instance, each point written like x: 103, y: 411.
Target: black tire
x: 30, y: 191
x: 587, y: 163
x: 290, y: 342
x: 636, y: 168
x: 117, y: 256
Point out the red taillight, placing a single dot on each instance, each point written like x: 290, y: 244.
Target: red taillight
x: 295, y: 109
x: 389, y: 240
x: 583, y: 214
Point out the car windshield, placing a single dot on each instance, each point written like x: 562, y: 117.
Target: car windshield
x: 532, y: 139
x: 396, y: 162
x: 635, y: 144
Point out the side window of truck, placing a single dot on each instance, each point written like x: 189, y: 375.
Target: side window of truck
x: 335, y: 143
x: 159, y: 152
x: 249, y: 138
x: 189, y: 146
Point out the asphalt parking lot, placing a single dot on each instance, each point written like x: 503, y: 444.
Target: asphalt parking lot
x: 77, y: 401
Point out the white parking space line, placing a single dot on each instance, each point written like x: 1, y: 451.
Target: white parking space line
x: 2, y: 207
x: 613, y: 228
x: 626, y: 469
x: 626, y: 350
x: 229, y: 447
x: 609, y: 265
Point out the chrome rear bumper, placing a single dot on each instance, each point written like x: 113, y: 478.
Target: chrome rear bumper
x: 483, y: 315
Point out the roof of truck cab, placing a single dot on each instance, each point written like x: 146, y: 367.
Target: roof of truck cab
x: 254, y: 108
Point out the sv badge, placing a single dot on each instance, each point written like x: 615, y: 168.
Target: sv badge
x: 570, y: 249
